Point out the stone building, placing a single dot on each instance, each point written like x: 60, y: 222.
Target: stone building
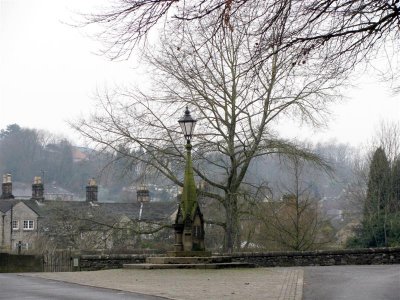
x: 19, y: 219
x: 38, y: 223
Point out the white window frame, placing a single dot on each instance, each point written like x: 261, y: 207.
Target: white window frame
x: 29, y: 225
x: 15, y: 225
x: 24, y: 246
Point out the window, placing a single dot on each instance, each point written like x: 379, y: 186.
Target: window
x: 28, y: 225
x: 24, y: 246
x: 15, y: 225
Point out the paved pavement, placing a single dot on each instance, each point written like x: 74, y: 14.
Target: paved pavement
x: 184, y: 284
x: 352, y: 282
x: 328, y: 283
x: 13, y: 286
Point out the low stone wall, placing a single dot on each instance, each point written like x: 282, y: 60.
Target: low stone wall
x: 13, y: 263
x: 263, y: 259
x: 370, y: 256
x: 111, y: 261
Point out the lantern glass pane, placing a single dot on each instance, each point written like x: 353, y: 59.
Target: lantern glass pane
x: 188, y: 130
x: 183, y: 127
x: 192, y: 128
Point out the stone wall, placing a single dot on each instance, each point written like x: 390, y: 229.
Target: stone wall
x: 11, y: 263
x: 370, y: 256
x: 111, y: 261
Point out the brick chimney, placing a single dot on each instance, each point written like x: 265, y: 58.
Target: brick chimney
x: 91, y: 191
x: 6, y: 188
x: 37, y: 189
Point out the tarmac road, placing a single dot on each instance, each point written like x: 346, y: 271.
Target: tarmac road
x: 13, y: 286
x: 352, y: 282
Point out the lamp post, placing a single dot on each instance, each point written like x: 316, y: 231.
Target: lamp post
x: 189, y: 195
x: 189, y: 223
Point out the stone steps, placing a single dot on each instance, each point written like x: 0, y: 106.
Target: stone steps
x: 149, y: 266
x: 171, y: 262
x: 188, y: 260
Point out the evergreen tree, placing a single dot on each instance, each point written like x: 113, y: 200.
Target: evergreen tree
x: 381, y: 221
x: 395, y: 182
x: 374, y: 232
x: 378, y: 192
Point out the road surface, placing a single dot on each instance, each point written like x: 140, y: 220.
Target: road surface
x: 13, y: 286
x: 352, y: 282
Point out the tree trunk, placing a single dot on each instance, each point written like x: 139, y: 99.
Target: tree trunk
x: 232, y: 231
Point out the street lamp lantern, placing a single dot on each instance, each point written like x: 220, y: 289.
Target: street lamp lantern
x: 187, y: 124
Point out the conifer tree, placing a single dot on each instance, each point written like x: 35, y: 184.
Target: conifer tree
x: 381, y: 221
x: 378, y: 192
x: 374, y: 232
x: 395, y: 183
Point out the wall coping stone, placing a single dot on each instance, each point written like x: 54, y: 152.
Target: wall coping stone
x: 113, y: 256
x: 317, y: 252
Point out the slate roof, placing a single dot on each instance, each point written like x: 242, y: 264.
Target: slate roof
x: 23, y: 190
x: 152, y: 211
x: 6, y: 204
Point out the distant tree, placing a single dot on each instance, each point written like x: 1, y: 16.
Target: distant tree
x: 395, y: 182
x: 378, y: 190
x: 20, y: 150
x: 378, y: 197
x: 387, y: 136
x: 10, y: 130
x: 295, y: 222
x: 26, y: 152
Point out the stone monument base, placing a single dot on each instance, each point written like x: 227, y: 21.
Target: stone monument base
x: 189, y: 253
x: 189, y: 262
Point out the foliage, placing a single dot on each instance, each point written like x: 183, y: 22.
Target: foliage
x: 26, y: 153
x: 380, y: 223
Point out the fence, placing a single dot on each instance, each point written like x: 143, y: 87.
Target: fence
x: 58, y: 261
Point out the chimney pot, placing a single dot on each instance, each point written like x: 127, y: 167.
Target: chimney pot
x: 6, y: 188
x: 37, y: 189
x: 91, y: 191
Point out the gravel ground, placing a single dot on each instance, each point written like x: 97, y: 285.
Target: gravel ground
x: 184, y: 284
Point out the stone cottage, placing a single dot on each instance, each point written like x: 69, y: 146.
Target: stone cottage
x: 38, y: 223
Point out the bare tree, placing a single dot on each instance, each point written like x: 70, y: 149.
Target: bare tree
x: 237, y: 110
x: 295, y: 221
x: 354, y: 29
x: 388, y: 137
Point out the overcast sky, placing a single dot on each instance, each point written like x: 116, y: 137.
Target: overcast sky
x: 49, y: 74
